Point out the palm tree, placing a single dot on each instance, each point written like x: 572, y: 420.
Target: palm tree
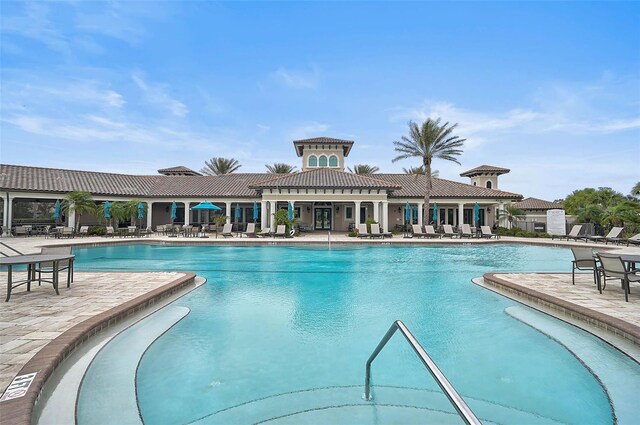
x: 635, y: 191
x: 511, y: 213
x: 80, y: 203
x: 219, y: 166
x: 419, y: 171
x: 429, y: 141
x: 363, y: 169
x: 280, y: 168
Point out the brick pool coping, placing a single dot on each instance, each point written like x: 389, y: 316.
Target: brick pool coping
x: 619, y: 327
x: 19, y: 411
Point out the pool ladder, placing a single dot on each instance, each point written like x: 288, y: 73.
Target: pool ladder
x: 456, y: 399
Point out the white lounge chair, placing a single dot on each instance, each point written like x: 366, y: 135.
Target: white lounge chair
x: 362, y: 231
x: 448, y: 231
x: 251, y: 230
x: 573, y: 234
x: 430, y: 232
x: 280, y: 231
x: 614, y: 233
x: 635, y: 240
x: 417, y: 231
x: 264, y: 232
x: 487, y: 233
x: 466, y: 231
x: 376, y: 233
x: 84, y: 231
x: 226, y: 231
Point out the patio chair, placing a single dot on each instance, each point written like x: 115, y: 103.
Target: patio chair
x: 417, y: 231
x: 226, y: 230
x: 160, y: 229
x: 583, y: 260
x: 635, y: 240
x: 375, y: 231
x: 448, y: 231
x: 251, y: 230
x: 430, y: 232
x: 573, y: 234
x: 84, y: 231
x: 613, y: 233
x: 47, y: 267
x: 110, y: 232
x: 132, y: 231
x: 616, y: 239
x: 280, y: 231
x: 20, y: 231
x: 465, y: 231
x: 487, y: 233
x: 362, y: 231
x: 264, y: 232
x: 67, y: 232
x: 613, y: 267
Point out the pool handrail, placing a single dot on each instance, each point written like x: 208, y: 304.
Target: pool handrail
x: 454, y: 397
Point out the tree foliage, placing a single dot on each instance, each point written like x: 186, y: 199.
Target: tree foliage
x: 217, y: 166
x: 635, y: 190
x: 604, y: 207
x: 419, y: 171
x: 363, y: 169
x: 511, y: 213
x: 80, y: 203
x: 280, y: 168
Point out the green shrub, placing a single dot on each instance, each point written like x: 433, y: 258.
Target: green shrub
x: 520, y: 233
x: 353, y: 233
x: 97, y: 231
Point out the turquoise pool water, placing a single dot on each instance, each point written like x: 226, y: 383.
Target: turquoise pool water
x: 274, y: 321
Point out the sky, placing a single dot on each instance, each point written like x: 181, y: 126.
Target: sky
x: 550, y: 90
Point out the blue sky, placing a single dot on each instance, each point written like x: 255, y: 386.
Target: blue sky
x: 550, y: 90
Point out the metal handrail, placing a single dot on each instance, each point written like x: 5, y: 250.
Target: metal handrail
x: 456, y: 400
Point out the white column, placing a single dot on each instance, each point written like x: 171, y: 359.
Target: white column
x: 501, y: 221
x: 272, y: 214
x: 357, y: 213
x: 376, y: 212
x: 264, y: 215
x: 460, y: 214
x: 187, y: 214
x: 385, y: 216
x: 149, y: 214
x: 6, y: 217
x: 72, y: 216
x: 227, y: 211
x: 420, y: 207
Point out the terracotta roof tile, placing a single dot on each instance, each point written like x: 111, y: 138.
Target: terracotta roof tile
x: 484, y: 169
x: 326, y: 178
x: 180, y: 169
x: 537, y: 204
x: 413, y: 186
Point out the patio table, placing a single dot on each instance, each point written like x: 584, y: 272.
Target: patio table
x: 30, y: 261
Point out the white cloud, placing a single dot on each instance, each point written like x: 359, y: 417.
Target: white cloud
x: 298, y: 79
x: 311, y: 129
x: 157, y: 95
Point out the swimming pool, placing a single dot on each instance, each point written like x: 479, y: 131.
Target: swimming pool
x: 281, y: 334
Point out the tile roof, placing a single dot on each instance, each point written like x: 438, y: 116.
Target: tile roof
x: 326, y: 178
x: 537, y: 204
x: 346, y: 144
x: 413, y: 186
x: 180, y: 169
x: 484, y: 169
x: 223, y: 186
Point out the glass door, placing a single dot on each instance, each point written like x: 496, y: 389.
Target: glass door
x: 322, y: 218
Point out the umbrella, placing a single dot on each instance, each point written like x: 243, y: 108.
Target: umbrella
x: 238, y: 211
x: 174, y: 211
x: 56, y: 211
x: 140, y: 211
x: 107, y: 210
x: 476, y: 214
x: 415, y: 213
x: 407, y: 213
x: 206, y: 205
x: 290, y: 211
x: 435, y: 213
x: 255, y: 212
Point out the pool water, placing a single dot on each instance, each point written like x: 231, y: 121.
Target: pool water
x: 273, y: 322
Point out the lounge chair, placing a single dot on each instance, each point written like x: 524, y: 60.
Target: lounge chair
x: 362, y: 231
x: 110, y: 232
x: 377, y: 233
x: 280, y: 231
x: 160, y: 229
x: 487, y: 233
x: 68, y: 232
x: 465, y: 231
x: 417, y: 231
x: 430, y: 232
x: 616, y: 239
x: 635, y: 240
x: 573, y: 234
x: 583, y: 260
x: 84, y: 231
x: 20, y: 231
x: 226, y: 230
x: 612, y: 266
x: 47, y: 267
x: 448, y: 231
x: 251, y: 230
x: 614, y: 233
x: 264, y: 232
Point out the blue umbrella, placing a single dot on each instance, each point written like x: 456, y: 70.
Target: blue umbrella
x: 407, y: 213
x: 435, y: 213
x: 107, y: 210
x: 290, y: 211
x: 238, y: 210
x: 255, y: 212
x: 56, y: 210
x: 415, y: 213
x: 140, y: 211
x: 476, y: 213
x: 206, y: 205
x: 174, y: 211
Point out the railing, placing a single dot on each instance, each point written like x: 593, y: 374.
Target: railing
x: 456, y: 400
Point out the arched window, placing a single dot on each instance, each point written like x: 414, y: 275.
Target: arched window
x: 333, y: 161
x: 323, y: 161
x: 474, y: 183
x: 488, y: 185
x: 313, y: 161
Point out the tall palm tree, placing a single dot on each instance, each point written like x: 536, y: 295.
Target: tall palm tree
x: 420, y: 171
x: 363, y: 169
x: 635, y: 191
x: 428, y: 141
x: 219, y: 166
x: 280, y: 168
x: 511, y: 213
x: 80, y: 203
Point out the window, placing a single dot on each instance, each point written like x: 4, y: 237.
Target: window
x: 348, y: 213
x: 296, y: 212
x: 313, y: 161
x: 474, y: 183
x: 333, y: 161
x: 323, y: 161
x: 488, y: 185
